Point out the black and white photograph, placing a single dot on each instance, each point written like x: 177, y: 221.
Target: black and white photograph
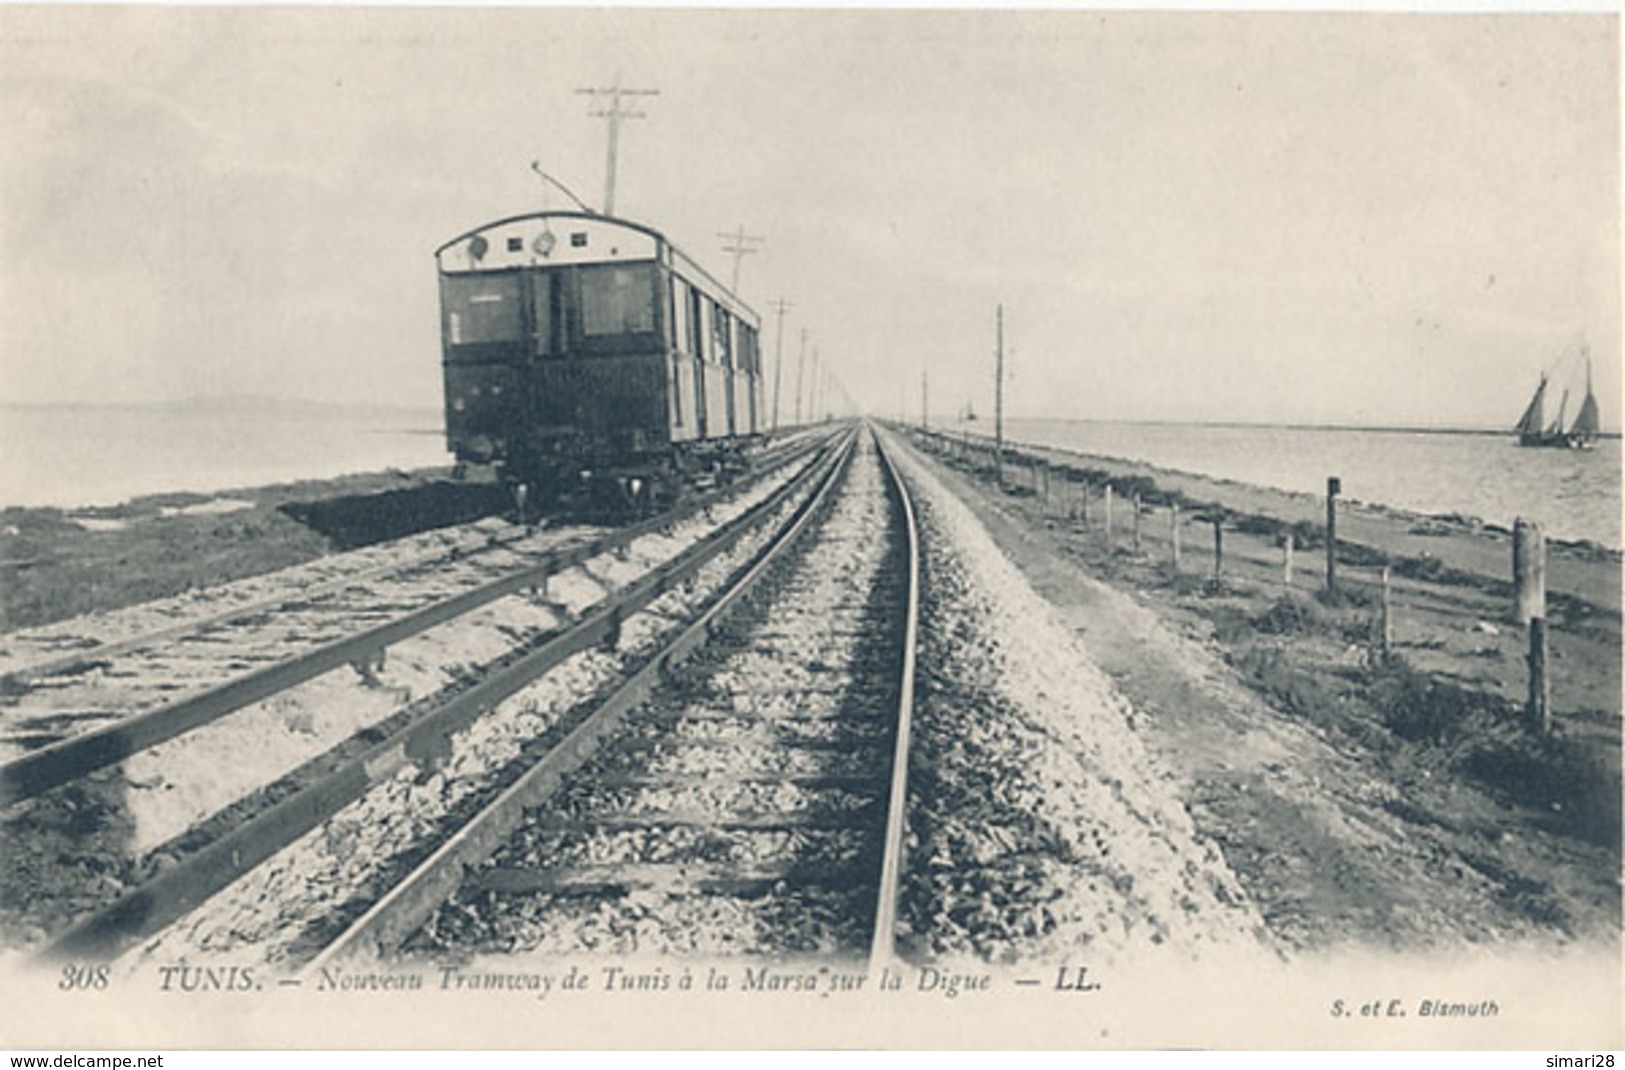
x: 801, y: 528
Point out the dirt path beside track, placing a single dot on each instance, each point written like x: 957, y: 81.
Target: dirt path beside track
x: 1350, y: 823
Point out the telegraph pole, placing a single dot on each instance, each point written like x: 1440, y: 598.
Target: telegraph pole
x: 812, y: 390
x: 740, y: 245
x: 801, y: 366
x: 998, y: 403
x: 613, y: 113
x: 781, y: 306
x: 925, y: 398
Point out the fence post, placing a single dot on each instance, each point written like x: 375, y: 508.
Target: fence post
x: 1173, y: 532
x: 1108, y: 516
x: 1540, y: 688
x: 1218, y: 550
x: 1528, y: 571
x: 1387, y: 624
x: 1286, y: 559
x: 1334, y: 487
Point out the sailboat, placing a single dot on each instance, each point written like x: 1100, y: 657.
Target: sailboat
x: 1533, y: 430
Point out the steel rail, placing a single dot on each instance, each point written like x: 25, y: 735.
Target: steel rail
x: 883, y: 947
x: 49, y: 767
x: 167, y: 897
x: 405, y: 907
x: 773, y: 456
x: 62, y: 664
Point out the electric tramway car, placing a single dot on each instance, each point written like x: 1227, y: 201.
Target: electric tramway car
x: 585, y: 353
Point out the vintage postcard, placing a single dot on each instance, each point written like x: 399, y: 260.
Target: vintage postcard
x: 824, y: 528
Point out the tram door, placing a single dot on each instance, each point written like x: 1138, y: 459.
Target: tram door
x: 696, y: 347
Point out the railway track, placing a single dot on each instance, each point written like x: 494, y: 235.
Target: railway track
x: 612, y: 574
x: 749, y: 797
x: 771, y: 766
x: 69, y: 714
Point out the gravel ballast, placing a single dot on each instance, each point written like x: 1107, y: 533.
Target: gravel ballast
x: 1039, y: 826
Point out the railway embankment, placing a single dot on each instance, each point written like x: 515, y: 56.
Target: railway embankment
x: 1363, y: 798
x: 61, y: 563
x: 1255, y: 752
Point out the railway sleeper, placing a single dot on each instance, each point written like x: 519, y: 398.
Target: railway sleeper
x: 675, y: 878
x: 744, y: 821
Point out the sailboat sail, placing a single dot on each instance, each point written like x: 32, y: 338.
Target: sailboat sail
x: 1530, y: 422
x: 1585, y: 424
x: 1531, y: 428
x: 1557, y: 424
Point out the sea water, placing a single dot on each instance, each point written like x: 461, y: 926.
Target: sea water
x: 76, y: 455
x: 1573, y: 494
x: 79, y: 455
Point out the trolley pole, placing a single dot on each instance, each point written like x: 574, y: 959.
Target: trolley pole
x: 613, y: 113
x: 781, y: 306
x: 998, y: 400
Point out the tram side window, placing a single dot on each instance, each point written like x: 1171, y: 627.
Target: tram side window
x: 720, y: 329
x: 681, y: 337
x: 479, y: 309
x: 617, y: 300
x: 750, y: 358
x: 696, y: 317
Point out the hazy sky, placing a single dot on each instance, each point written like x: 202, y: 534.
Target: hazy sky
x: 1312, y: 218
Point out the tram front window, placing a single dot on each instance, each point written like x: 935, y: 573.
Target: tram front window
x: 479, y: 309
x: 617, y: 306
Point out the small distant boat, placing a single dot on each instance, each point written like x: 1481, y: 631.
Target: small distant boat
x: 1533, y: 430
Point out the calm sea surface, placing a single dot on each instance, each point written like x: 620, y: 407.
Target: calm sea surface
x: 68, y: 455
x: 1573, y: 494
x: 78, y: 455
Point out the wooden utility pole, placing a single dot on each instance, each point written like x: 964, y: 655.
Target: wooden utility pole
x: 613, y: 113
x: 740, y: 245
x: 781, y: 306
x: 801, y: 367
x: 925, y: 398
x: 998, y: 401
x: 812, y: 390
